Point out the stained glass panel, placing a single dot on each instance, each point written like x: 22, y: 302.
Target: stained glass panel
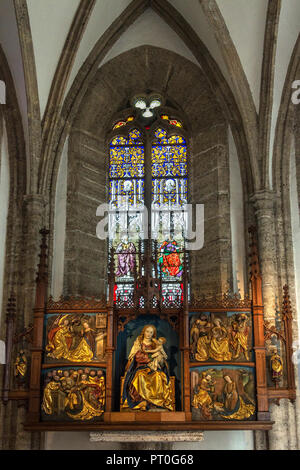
x: 169, y: 196
x: 124, y: 193
x: 126, y: 161
x: 169, y: 160
x: 175, y: 122
x: 172, y: 294
x: 161, y: 135
x: 171, y: 191
x: 126, y: 217
x: 172, y: 122
x: 168, y: 219
x: 170, y: 260
x: 119, y: 124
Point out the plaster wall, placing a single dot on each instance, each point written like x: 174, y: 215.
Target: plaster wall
x: 295, y: 220
x: 59, y: 230
x: 150, y: 29
x: 4, y: 202
x: 237, y: 220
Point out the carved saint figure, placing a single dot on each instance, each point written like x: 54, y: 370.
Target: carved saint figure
x: 80, y: 394
x: 73, y: 341
x: 194, y: 336
x: 147, y: 386
x: 126, y: 257
x: 219, y: 342
x: 239, y: 336
x: 276, y: 366
x: 59, y: 338
x: 234, y: 405
x: 21, y: 365
x: 202, y: 398
x: 202, y: 349
x: 48, y: 396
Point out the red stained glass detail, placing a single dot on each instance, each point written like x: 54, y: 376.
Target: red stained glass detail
x: 174, y: 122
x: 119, y: 124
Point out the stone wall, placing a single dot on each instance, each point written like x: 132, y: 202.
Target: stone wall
x: 184, y: 85
x: 85, y: 254
x: 211, y: 268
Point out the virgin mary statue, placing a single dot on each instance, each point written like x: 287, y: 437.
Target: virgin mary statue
x: 147, y: 387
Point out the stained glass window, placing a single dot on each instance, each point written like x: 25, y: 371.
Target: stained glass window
x: 126, y: 170
x: 126, y: 197
x: 123, y: 122
x: 172, y: 122
x: 169, y: 196
x: 127, y: 229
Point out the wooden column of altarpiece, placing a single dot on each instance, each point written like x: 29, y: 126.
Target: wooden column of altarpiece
x: 179, y: 318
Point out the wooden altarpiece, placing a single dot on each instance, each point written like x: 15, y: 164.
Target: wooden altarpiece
x: 210, y: 366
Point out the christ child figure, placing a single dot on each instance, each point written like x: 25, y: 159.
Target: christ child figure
x: 157, y: 355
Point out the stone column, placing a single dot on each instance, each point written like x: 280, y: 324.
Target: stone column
x: 264, y: 203
x: 33, y: 221
x: 34, y: 208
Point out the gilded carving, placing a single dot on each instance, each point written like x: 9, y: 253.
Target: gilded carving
x: 147, y: 384
x: 76, y: 337
x: 220, y: 337
x: 77, y: 394
x: 20, y: 365
x: 222, y: 394
x: 276, y: 365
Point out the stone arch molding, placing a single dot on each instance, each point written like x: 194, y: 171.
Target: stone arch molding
x: 148, y: 68
x: 245, y: 137
x: 186, y: 88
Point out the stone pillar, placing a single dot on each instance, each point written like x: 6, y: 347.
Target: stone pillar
x: 34, y: 209
x: 297, y: 150
x: 264, y: 204
x: 264, y: 210
x: 27, y: 263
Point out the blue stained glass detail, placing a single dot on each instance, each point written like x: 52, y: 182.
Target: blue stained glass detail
x: 126, y: 162
x: 169, y: 191
x: 134, y: 138
x: 169, y: 160
x: 127, y: 156
x: 161, y: 135
x: 126, y: 192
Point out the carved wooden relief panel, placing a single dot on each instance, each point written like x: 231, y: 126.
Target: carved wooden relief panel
x: 73, y: 394
x: 223, y: 393
x: 75, y: 337
x: 221, y: 337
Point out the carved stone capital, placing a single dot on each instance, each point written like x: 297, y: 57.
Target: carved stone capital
x: 263, y: 202
x: 34, y: 202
